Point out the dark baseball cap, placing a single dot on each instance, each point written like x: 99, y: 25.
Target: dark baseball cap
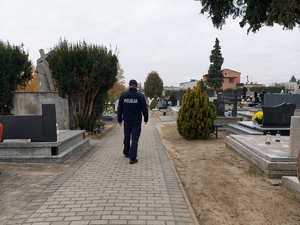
x: 133, y: 83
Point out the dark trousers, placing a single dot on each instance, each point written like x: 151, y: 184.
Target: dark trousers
x: 132, y: 130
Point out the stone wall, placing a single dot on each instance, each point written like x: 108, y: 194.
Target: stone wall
x: 30, y: 103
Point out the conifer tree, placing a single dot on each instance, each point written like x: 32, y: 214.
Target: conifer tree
x: 215, y: 76
x: 293, y: 79
x: 196, y: 115
x: 203, y: 87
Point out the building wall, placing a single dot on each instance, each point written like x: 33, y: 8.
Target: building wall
x: 291, y: 87
x: 191, y: 84
x: 167, y: 90
x: 231, y: 78
x: 30, y: 103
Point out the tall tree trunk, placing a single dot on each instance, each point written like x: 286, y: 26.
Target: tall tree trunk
x: 75, y: 114
x: 90, y: 102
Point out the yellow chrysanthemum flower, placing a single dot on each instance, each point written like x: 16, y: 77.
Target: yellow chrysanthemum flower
x: 258, y: 115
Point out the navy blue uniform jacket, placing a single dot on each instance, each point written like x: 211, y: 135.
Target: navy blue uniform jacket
x: 132, y: 105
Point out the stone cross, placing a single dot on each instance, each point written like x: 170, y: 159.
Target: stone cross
x: 45, y: 81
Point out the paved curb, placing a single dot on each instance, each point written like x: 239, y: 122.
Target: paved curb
x: 164, y: 157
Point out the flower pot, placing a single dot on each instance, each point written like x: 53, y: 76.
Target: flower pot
x: 259, y: 121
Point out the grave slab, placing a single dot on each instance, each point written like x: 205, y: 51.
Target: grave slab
x: 291, y: 183
x: 273, y: 160
x: 16, y: 140
x: 69, y: 143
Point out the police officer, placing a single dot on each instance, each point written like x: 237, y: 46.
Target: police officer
x: 132, y: 105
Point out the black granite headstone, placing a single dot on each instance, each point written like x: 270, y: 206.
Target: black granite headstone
x: 279, y: 115
x: 256, y: 98
x: 173, y: 100
x: 39, y: 128
x: 220, y: 105
x: 49, y: 122
x: 277, y: 99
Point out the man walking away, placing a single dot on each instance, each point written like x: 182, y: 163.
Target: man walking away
x: 132, y: 105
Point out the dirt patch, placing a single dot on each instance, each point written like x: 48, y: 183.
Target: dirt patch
x: 223, y: 187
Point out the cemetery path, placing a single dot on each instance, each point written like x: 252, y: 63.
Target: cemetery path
x: 98, y: 186
x: 222, y: 187
x: 225, y: 188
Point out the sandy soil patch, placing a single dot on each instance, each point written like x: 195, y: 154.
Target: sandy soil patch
x: 223, y: 187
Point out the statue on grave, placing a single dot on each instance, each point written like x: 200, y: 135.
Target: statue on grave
x: 45, y: 82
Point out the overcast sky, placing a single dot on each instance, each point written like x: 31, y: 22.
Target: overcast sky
x: 166, y: 36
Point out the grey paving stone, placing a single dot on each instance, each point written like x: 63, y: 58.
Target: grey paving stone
x: 101, y: 187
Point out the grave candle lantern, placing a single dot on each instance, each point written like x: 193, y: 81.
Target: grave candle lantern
x: 277, y: 136
x: 268, y: 138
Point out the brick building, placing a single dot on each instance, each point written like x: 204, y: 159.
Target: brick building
x: 231, y: 78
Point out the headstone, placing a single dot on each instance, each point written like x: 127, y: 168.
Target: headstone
x: 220, y: 105
x: 262, y: 97
x: 45, y: 82
x: 230, y: 98
x: 244, y: 91
x: 294, y: 142
x: 256, y: 98
x: 37, y: 128
x: 173, y: 100
x: 277, y: 99
x: 279, y: 115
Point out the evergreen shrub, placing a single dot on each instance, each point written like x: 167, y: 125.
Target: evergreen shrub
x: 153, y: 104
x: 196, y: 115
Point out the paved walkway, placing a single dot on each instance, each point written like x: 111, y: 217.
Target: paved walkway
x: 101, y: 187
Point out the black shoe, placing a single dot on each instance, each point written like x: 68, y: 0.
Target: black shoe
x: 133, y: 161
x: 126, y: 156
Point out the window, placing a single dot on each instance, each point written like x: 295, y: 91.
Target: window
x: 231, y: 80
